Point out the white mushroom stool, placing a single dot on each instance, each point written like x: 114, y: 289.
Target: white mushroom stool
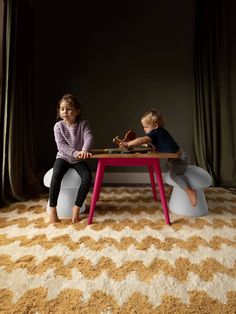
x: 179, y: 203
x: 68, y: 192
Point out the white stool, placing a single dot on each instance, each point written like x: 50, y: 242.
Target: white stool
x: 179, y: 203
x: 68, y: 192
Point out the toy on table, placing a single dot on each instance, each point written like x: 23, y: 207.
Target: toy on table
x: 129, y: 136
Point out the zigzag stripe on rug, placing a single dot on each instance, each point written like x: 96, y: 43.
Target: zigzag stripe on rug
x: 127, y: 261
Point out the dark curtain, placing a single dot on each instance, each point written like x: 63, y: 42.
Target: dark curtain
x: 18, y: 179
x: 214, y: 126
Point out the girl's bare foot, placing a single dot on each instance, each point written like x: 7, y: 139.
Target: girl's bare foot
x: 87, y: 208
x: 75, y: 214
x: 192, y: 194
x: 53, y: 215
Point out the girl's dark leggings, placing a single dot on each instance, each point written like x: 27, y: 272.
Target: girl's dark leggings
x: 59, y: 169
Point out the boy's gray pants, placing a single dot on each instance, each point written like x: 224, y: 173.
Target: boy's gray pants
x: 177, y: 167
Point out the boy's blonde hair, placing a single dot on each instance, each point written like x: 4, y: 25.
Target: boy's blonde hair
x: 153, y: 116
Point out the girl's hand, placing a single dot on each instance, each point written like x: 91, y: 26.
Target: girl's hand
x: 123, y: 145
x: 83, y: 155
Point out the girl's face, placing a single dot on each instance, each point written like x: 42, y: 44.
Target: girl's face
x: 148, y: 126
x: 68, y: 112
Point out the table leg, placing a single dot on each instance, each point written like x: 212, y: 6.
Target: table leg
x: 96, y: 189
x: 157, y: 169
x: 154, y: 191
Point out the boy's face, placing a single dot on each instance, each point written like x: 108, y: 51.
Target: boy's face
x: 148, y: 126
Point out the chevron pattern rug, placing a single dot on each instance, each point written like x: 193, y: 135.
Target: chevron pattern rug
x: 127, y: 261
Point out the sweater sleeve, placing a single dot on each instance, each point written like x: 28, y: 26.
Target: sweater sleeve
x: 88, y: 137
x: 62, y: 144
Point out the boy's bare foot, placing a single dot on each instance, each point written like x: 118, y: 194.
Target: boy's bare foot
x: 53, y: 215
x: 75, y: 214
x: 192, y: 194
x: 169, y: 191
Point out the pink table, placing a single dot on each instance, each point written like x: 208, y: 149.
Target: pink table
x: 151, y: 160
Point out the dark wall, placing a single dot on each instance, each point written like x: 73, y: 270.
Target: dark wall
x: 121, y: 58
x: 1, y: 38
x: 232, y: 78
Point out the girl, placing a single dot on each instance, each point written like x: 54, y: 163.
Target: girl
x: 74, y: 139
x: 153, y: 125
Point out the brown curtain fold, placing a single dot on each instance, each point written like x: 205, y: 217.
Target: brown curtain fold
x: 213, y: 124
x: 18, y: 180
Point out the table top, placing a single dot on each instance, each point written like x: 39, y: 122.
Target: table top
x: 134, y: 155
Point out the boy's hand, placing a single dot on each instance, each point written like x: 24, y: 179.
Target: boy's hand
x: 124, y: 145
x: 83, y: 155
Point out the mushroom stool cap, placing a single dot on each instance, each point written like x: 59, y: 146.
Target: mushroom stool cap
x: 68, y: 192
x: 197, y: 177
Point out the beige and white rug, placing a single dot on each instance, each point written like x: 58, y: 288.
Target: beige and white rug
x: 127, y: 261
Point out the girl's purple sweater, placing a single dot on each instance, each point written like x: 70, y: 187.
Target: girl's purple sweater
x: 71, y: 140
